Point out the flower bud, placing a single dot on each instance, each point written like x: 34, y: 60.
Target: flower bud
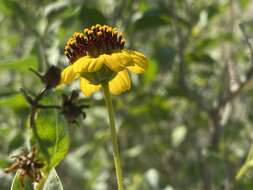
x: 52, y: 77
x: 71, y: 108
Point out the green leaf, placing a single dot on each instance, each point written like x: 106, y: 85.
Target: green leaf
x: 4, y: 162
x: 55, y: 8
x: 215, y: 9
x: 244, y: 3
x: 247, y: 165
x: 200, y: 58
x: 17, y: 185
x: 51, y: 134
x: 151, y: 73
x: 15, y: 101
x: 178, y: 135
x: 4, y: 8
x: 24, y: 15
x: 209, y: 43
x: 20, y: 65
x: 151, y: 19
x: 53, y: 182
x: 91, y: 16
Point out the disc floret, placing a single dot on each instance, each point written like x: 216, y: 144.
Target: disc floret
x: 95, y: 41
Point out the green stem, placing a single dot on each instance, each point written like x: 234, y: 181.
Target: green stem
x: 116, y: 155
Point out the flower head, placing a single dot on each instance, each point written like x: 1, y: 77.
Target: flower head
x: 98, y: 56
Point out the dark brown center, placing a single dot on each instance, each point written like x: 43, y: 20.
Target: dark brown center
x: 95, y: 41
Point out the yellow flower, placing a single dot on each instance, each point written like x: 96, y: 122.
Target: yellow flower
x: 98, y: 56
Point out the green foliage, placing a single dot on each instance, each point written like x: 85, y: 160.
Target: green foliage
x: 151, y: 19
x: 19, y: 65
x: 151, y: 73
x: 4, y: 163
x: 15, y: 101
x: 91, y: 16
x: 51, y: 134
x: 172, y: 133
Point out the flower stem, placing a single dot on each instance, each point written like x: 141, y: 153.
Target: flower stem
x: 116, y: 155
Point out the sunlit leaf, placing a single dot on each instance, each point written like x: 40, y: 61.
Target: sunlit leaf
x: 134, y: 151
x: 55, y: 8
x: 51, y: 134
x: 4, y: 8
x: 178, y: 135
x: 151, y: 73
x: 19, y: 65
x: 248, y: 164
x: 244, y: 3
x: 53, y: 182
x: 15, y: 101
x: 152, y: 176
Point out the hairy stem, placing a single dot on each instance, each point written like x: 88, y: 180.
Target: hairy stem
x: 116, y: 155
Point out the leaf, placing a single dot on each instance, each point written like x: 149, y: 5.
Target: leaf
x: 20, y: 65
x: 16, y: 140
x: 4, y: 8
x: 152, y: 176
x: 16, y: 183
x: 244, y: 3
x: 15, y: 101
x: 247, y: 165
x: 200, y: 58
x: 215, y: 9
x: 4, y: 162
x: 55, y: 8
x: 51, y: 134
x: 25, y: 15
x: 151, y: 73
x: 151, y: 19
x: 209, y: 43
x: 91, y: 16
x: 178, y: 135
x: 53, y: 182
x: 134, y: 151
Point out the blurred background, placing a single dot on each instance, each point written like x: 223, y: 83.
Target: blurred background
x: 186, y: 124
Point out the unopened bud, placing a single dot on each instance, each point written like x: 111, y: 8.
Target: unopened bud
x: 52, y: 77
x: 71, y: 108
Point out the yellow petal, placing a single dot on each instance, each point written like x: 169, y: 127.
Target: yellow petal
x: 120, y: 83
x: 68, y: 75
x: 88, y: 88
x: 118, y: 61
x: 140, y: 62
x: 88, y: 64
